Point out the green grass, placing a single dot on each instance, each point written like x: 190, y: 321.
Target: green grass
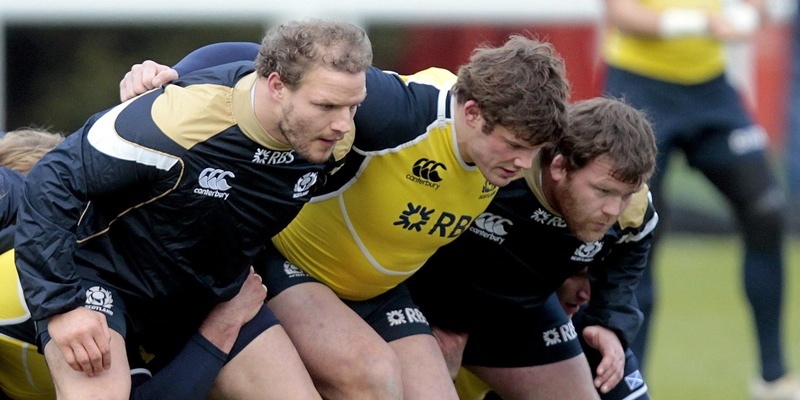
x: 702, y: 343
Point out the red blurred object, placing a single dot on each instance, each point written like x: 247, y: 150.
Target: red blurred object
x: 450, y: 46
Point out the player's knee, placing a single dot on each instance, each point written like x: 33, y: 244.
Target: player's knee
x: 771, y: 203
x: 764, y: 219
x: 373, y: 374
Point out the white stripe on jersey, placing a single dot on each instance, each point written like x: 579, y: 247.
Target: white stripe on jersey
x: 103, y: 137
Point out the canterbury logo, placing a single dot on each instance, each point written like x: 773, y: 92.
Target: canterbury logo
x: 493, y: 223
x: 214, y: 179
x: 428, y: 169
x: 491, y: 227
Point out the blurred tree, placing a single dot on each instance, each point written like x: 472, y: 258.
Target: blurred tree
x: 58, y: 76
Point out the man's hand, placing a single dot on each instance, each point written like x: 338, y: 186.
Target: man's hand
x: 612, y: 366
x: 222, y: 325
x: 452, y: 345
x: 84, y: 339
x: 143, y: 77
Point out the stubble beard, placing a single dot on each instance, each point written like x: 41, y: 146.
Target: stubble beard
x: 570, y: 208
x: 292, y: 130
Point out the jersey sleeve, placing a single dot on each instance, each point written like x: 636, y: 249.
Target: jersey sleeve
x: 10, y: 193
x: 94, y: 162
x: 613, y: 304
x: 398, y: 108
x: 216, y: 54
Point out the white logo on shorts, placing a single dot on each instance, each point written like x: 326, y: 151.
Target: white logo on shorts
x: 407, y: 315
x: 99, y: 299
x: 562, y: 334
x: 634, y: 380
x: 292, y: 270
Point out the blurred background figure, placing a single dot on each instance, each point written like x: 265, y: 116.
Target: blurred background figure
x: 793, y: 126
x: 666, y: 58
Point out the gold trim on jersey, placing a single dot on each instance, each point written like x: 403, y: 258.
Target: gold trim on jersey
x: 632, y: 217
x: 533, y: 177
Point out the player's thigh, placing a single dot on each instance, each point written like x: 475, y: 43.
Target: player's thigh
x: 339, y: 349
x: 267, y: 368
x: 567, y: 379
x: 114, y: 383
x: 424, y: 370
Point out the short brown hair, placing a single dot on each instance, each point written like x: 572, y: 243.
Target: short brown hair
x: 521, y: 85
x: 21, y: 149
x: 606, y: 126
x: 294, y: 48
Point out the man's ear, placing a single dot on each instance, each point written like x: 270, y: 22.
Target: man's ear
x: 472, y: 113
x: 275, y: 86
x: 558, y: 168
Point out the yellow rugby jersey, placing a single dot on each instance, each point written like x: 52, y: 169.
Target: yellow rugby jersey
x: 13, y: 309
x: 404, y: 192
x: 685, y: 60
x: 23, y: 371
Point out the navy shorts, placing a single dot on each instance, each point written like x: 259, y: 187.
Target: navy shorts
x: 101, y: 298
x: 707, y: 121
x: 150, y: 344
x: 526, y: 338
x: 393, y: 315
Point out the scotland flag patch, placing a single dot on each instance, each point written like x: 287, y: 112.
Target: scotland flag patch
x: 634, y: 380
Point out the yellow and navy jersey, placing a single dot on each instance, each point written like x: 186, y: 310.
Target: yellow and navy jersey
x: 520, y: 250
x: 166, y: 197
x: 404, y: 191
x: 684, y: 60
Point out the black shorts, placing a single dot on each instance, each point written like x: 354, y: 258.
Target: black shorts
x: 525, y: 338
x: 151, y: 344
x: 393, y: 315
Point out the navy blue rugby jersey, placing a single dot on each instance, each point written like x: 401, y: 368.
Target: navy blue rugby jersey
x: 173, y: 192
x: 518, y: 252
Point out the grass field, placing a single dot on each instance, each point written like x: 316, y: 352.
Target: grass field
x: 703, y: 344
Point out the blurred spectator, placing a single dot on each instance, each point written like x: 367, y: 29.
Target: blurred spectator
x: 666, y: 58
